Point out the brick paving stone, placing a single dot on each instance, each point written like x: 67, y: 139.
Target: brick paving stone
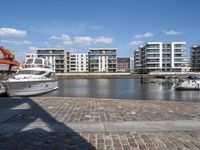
x: 74, y: 141
x: 76, y: 110
x: 67, y: 110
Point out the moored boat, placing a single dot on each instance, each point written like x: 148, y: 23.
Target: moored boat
x: 36, y: 78
x: 189, y: 83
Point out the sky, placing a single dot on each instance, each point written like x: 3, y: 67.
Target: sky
x: 78, y: 25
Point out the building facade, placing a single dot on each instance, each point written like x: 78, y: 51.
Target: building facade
x: 79, y: 62
x: 137, y: 61
x: 161, y: 57
x: 57, y: 58
x: 103, y: 60
x: 31, y: 55
x: 123, y: 64
x: 132, y: 64
x: 195, y: 58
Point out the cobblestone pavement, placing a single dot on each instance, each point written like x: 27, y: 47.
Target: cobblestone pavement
x: 102, y: 141
x: 71, y: 110
x: 84, y: 110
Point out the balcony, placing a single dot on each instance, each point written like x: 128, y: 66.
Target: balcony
x: 59, y: 68
x: 149, y: 62
x: 153, y: 57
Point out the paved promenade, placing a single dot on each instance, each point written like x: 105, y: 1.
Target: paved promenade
x: 77, y: 123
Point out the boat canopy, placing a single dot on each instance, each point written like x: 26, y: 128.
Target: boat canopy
x: 36, y: 62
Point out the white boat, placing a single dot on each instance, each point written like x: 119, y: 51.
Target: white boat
x: 2, y: 89
x: 36, y: 78
x: 189, y: 83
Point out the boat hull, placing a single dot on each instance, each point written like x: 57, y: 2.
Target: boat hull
x: 30, y: 88
x: 187, y: 86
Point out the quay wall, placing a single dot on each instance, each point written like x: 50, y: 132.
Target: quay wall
x: 122, y: 75
x: 102, y: 76
x: 112, y: 75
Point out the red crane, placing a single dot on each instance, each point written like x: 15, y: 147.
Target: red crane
x: 7, y: 58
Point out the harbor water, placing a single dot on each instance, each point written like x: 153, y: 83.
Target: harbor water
x: 122, y: 89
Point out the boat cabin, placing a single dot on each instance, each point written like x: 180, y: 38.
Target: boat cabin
x: 36, y: 62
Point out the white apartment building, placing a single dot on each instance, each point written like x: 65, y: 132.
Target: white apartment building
x: 195, y: 58
x: 31, y: 55
x: 57, y: 58
x: 103, y: 60
x: 79, y: 62
x: 137, y: 61
x: 162, y: 57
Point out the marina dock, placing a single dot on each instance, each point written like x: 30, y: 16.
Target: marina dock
x: 83, y: 123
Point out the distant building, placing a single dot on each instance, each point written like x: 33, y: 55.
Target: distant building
x: 132, y: 64
x: 137, y: 61
x: 79, y: 62
x: 67, y: 62
x: 57, y: 57
x: 103, y: 60
x: 123, y: 64
x: 195, y: 58
x: 160, y: 57
x: 31, y: 55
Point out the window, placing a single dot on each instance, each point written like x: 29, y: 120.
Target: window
x: 33, y: 72
x: 38, y: 61
x: 48, y: 75
x: 29, y: 61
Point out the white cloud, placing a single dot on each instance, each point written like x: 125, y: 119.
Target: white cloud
x: 135, y: 42
x: 26, y: 42
x: 103, y: 40
x: 145, y: 35
x: 83, y: 41
x: 32, y: 48
x: 137, y: 39
x: 56, y: 37
x: 139, y: 36
x: 172, y: 32
x: 148, y: 34
x: 14, y: 42
x: 6, y: 32
x: 66, y: 40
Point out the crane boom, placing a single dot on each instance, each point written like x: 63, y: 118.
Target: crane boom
x: 7, y: 58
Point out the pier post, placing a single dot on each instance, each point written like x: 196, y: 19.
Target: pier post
x: 141, y: 79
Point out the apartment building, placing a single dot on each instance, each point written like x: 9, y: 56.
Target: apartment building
x: 31, y: 55
x: 103, y: 60
x: 123, y: 64
x: 79, y: 62
x: 137, y: 61
x: 132, y: 64
x: 195, y: 58
x: 57, y: 58
x: 161, y: 57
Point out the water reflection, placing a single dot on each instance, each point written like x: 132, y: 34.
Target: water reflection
x: 121, y: 89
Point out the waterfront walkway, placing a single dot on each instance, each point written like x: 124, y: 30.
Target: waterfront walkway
x: 77, y: 123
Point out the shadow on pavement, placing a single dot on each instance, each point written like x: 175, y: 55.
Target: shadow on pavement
x: 25, y: 124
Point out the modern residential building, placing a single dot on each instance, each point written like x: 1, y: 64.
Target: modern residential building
x: 195, y: 58
x: 132, y: 64
x: 103, y: 60
x: 57, y: 57
x: 161, y: 57
x: 123, y: 64
x: 31, y: 55
x: 67, y: 61
x: 137, y: 61
x: 79, y: 62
